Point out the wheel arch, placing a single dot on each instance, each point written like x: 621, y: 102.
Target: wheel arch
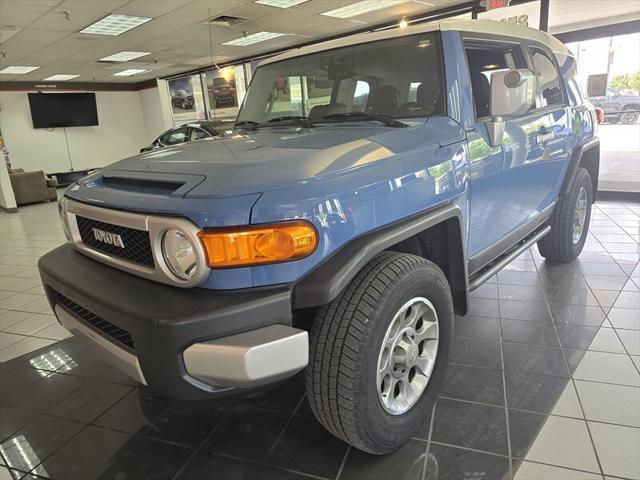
x: 586, y: 156
x: 436, y: 234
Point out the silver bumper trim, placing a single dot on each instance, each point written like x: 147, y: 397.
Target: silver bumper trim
x: 118, y: 357
x: 249, y: 359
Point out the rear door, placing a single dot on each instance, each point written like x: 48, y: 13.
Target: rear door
x: 513, y: 183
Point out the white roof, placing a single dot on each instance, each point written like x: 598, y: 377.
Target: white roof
x: 472, y: 26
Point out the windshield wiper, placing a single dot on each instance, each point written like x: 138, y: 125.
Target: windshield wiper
x: 304, y: 121
x: 379, y: 117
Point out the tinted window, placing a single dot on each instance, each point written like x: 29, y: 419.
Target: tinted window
x: 374, y: 77
x: 548, y: 78
x: 197, y: 134
x: 483, y: 60
x: 175, y: 136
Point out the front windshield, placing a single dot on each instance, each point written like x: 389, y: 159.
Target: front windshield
x: 399, y: 77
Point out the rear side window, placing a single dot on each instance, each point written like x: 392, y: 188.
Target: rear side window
x: 175, y: 136
x: 548, y: 78
x: 485, y: 58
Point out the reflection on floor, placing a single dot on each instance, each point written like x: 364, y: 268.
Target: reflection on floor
x: 543, y: 384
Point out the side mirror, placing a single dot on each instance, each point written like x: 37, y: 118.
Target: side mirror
x: 512, y: 95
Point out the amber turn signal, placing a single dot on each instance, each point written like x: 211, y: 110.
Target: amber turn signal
x: 259, y: 244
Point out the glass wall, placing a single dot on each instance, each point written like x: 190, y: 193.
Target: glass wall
x: 187, y: 102
x: 609, y: 70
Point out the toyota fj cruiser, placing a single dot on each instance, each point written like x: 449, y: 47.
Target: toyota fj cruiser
x: 368, y: 185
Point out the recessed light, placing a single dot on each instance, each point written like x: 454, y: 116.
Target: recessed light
x: 18, y: 70
x: 60, y: 78
x: 281, y: 3
x: 361, y: 7
x: 123, y: 56
x: 130, y: 72
x: 254, y: 38
x: 115, y: 24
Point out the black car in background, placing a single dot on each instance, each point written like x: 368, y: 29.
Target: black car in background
x: 188, y: 132
x: 618, y: 108
x: 182, y: 99
x: 224, y: 94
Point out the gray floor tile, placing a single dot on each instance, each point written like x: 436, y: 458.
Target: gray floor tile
x: 564, y: 442
x: 631, y: 341
x: 607, y: 368
x: 538, y: 471
x: 617, y: 449
x: 610, y: 403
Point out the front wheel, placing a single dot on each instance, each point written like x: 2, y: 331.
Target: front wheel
x: 569, y: 221
x: 630, y: 115
x: 378, y: 351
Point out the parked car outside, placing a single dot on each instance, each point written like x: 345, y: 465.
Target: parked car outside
x: 182, y: 99
x: 339, y: 239
x: 188, y: 132
x: 223, y: 93
x: 618, y: 108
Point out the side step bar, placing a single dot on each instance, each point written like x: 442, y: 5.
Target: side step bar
x: 505, y: 259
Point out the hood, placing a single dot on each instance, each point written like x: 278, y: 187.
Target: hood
x: 277, y: 157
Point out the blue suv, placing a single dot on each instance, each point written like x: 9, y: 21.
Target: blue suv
x: 369, y: 184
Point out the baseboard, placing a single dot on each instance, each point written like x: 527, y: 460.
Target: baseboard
x: 9, y: 210
x: 619, y: 196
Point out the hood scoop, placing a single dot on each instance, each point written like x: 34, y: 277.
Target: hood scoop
x: 138, y: 185
x: 145, y: 183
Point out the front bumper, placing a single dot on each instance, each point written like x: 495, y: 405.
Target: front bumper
x: 183, y: 343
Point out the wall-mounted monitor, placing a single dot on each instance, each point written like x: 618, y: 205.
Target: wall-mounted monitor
x: 52, y: 110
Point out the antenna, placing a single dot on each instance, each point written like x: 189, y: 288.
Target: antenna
x: 213, y: 107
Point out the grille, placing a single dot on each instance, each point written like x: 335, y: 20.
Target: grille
x: 117, y: 334
x: 137, y: 246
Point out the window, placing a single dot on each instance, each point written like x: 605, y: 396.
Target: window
x: 484, y: 59
x: 197, y: 134
x: 400, y: 77
x: 175, y: 136
x: 548, y: 78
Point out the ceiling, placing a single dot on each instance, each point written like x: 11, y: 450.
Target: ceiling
x: 44, y: 33
x: 38, y: 33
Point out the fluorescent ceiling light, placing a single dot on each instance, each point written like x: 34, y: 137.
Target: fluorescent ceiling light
x: 130, y: 72
x: 60, y: 78
x: 359, y: 8
x: 18, y: 70
x: 124, y: 56
x: 281, y: 3
x: 115, y: 24
x: 253, y: 38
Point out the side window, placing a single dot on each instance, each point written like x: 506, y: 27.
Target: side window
x: 197, y: 134
x: 360, y: 96
x: 548, y: 78
x: 485, y: 58
x: 175, y: 136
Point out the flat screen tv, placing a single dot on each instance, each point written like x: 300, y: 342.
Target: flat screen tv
x: 52, y: 110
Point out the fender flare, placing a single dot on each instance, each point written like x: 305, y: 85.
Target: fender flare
x: 574, y: 164
x: 326, y: 281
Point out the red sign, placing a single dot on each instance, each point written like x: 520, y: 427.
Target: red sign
x: 491, y: 4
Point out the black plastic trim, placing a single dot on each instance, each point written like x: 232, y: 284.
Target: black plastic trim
x: 574, y: 163
x: 326, y: 282
x: 163, y: 320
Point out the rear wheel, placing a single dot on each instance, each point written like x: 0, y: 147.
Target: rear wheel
x: 630, y: 115
x: 377, y: 352
x: 569, y: 221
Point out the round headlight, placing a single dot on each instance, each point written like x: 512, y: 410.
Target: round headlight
x: 179, y: 254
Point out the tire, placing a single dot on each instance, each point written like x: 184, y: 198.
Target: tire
x: 630, y: 115
x: 346, y: 345
x: 560, y: 244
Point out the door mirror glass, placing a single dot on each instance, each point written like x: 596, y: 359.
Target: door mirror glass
x: 511, y: 93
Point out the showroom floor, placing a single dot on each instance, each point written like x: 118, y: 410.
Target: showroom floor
x: 543, y: 383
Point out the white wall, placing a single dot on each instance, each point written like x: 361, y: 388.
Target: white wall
x: 127, y: 122
x: 156, y: 110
